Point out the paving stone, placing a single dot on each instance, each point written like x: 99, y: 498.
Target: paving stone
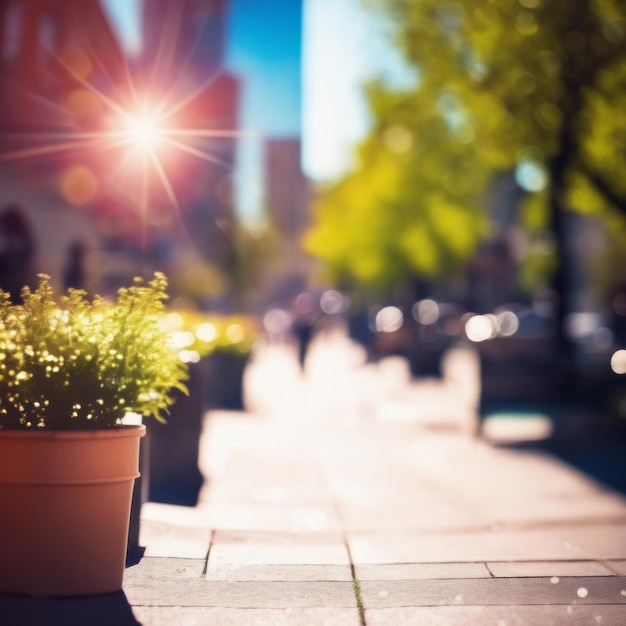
x: 220, y: 616
x: 475, y: 472
x: 278, y: 554
x: 453, y: 547
x: 277, y: 549
x: 272, y: 517
x: 556, y: 615
x: 164, y: 569
x: 494, y: 591
x: 273, y: 472
x: 549, y: 568
x: 231, y: 572
x: 420, y: 571
x: 600, y: 541
x: 540, y: 507
x: 185, y: 516
x: 244, y: 594
x: 402, y: 513
x: 617, y: 566
x: 167, y: 539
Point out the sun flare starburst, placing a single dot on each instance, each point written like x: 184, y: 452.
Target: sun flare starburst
x: 144, y: 130
x: 141, y: 140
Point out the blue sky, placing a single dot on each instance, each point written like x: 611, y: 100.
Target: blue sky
x: 264, y: 50
x: 264, y: 47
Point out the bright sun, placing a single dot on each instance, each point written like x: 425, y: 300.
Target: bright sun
x: 147, y: 130
x: 144, y: 130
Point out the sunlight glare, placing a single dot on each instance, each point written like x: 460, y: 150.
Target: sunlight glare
x: 144, y: 130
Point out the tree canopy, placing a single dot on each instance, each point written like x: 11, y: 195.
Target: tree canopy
x: 533, y: 87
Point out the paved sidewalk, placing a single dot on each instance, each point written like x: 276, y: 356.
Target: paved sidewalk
x: 340, y: 499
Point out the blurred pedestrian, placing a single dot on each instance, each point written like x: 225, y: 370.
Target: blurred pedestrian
x: 17, y: 251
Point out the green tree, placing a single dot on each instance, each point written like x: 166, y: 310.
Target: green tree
x: 399, y: 214
x: 532, y: 86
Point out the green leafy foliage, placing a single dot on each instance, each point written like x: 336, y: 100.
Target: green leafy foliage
x: 85, y: 364
x: 500, y: 85
x: 407, y: 209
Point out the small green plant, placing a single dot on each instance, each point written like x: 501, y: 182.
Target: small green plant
x: 85, y: 364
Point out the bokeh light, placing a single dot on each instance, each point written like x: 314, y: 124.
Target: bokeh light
x: 235, y: 333
x: 332, y: 302
x: 530, y: 176
x: 618, y: 362
x: 206, y: 332
x: 79, y: 185
x: 425, y: 311
x: 277, y: 321
x: 481, y: 327
x: 507, y: 323
x: 389, y: 319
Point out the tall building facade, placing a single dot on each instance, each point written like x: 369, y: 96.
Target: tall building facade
x: 288, y: 198
x: 51, y: 53
x: 286, y: 187
x: 67, y: 185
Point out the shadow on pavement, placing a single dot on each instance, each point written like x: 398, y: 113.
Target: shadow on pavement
x: 104, y: 610
x: 602, y: 459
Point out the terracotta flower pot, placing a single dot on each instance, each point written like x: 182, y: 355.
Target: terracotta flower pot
x: 66, y: 498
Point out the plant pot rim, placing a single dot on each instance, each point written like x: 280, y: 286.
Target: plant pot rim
x: 126, y: 430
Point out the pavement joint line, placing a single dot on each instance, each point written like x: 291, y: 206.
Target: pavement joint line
x: 488, y: 569
x: 356, y: 586
x: 205, y: 569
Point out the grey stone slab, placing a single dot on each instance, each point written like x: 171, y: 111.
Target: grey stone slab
x: 600, y: 541
x: 244, y: 594
x: 233, y: 572
x: 164, y: 569
x: 556, y: 615
x: 454, y: 547
x: 493, y: 476
x: 402, y: 512
x: 277, y: 549
x: 618, y: 567
x: 272, y: 517
x: 272, y: 537
x: 220, y: 616
x: 420, y: 571
x: 538, y: 507
x: 494, y: 591
x: 169, y: 539
x: 278, y: 554
x: 549, y: 569
x: 277, y: 472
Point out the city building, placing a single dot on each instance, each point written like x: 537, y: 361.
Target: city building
x: 49, y: 72
x: 288, y: 199
x: 79, y: 200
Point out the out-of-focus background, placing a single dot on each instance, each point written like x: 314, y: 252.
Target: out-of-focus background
x: 427, y: 174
